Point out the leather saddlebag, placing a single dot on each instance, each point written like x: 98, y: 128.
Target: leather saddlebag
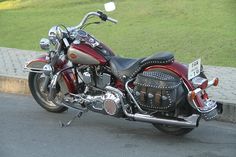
x: 157, y: 90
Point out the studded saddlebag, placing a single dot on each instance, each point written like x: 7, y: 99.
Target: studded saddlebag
x: 157, y: 90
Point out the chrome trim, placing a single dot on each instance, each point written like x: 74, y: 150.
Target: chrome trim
x: 212, y: 106
x: 56, y: 76
x: 192, y: 103
x: 52, y: 86
x: 198, y: 90
x: 55, y: 32
x: 44, y: 44
x: 197, y: 81
x: 47, y: 69
x: 132, y: 97
x: 85, y: 18
x: 187, y: 122
x: 66, y: 42
x: 29, y: 67
x: 117, y: 91
x: 35, y: 70
x: 44, y: 86
x: 112, y: 20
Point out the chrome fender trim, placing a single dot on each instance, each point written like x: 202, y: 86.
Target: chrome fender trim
x: 36, y: 65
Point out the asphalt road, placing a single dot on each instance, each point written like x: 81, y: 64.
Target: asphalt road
x: 26, y: 130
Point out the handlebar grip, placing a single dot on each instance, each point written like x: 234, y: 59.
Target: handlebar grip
x: 104, y: 17
x: 112, y: 20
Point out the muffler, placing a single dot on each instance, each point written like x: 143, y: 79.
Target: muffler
x: 184, y: 122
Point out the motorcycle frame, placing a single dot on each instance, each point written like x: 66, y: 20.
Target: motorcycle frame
x: 69, y: 77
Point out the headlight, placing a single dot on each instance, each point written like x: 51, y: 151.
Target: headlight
x: 55, y: 33
x: 44, y: 44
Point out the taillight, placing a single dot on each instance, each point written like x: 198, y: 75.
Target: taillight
x: 204, y: 85
x: 199, y: 82
x: 216, y: 82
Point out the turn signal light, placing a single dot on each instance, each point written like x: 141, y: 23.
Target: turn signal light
x: 192, y: 95
x: 216, y: 82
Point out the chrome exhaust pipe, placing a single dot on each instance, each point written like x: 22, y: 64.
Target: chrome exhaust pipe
x: 185, y: 122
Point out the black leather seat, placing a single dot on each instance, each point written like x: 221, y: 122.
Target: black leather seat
x: 158, y: 58
x: 124, y: 68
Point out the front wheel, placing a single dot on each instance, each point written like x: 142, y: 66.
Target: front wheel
x: 35, y: 81
x: 172, y: 130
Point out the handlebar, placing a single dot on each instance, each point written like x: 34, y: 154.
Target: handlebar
x: 112, y: 20
x: 99, y: 14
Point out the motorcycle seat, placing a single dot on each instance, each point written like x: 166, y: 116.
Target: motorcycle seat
x: 124, y: 68
x: 158, y: 58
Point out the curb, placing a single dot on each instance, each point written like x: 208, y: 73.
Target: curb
x: 229, y: 112
x: 16, y: 85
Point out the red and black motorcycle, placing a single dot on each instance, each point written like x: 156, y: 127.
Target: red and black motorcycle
x: 82, y: 73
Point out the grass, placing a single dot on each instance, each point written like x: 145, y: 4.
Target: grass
x: 190, y: 29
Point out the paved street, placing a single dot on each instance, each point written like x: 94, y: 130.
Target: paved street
x: 26, y: 130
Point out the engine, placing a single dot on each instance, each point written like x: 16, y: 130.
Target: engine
x: 112, y: 104
x: 158, y: 90
x: 108, y: 103
x: 99, y: 99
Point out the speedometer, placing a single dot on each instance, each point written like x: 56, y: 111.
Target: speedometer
x: 82, y: 34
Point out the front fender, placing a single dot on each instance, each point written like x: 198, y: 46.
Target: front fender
x: 66, y: 80
x: 36, y: 65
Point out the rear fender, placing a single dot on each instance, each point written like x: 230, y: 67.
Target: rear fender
x: 66, y: 81
x: 181, y: 71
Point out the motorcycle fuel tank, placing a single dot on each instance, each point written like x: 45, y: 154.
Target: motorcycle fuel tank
x: 85, y: 54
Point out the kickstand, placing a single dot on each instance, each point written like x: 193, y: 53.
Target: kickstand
x: 78, y: 115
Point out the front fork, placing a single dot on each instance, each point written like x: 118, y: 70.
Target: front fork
x: 55, y: 79
x: 47, y: 70
x: 64, y: 75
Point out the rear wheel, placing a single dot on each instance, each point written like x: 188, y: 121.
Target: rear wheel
x: 35, y: 81
x: 182, y: 109
x: 172, y: 130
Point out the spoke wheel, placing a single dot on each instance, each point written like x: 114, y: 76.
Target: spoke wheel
x: 172, y: 130
x: 35, y: 81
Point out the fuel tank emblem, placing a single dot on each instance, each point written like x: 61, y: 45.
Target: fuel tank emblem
x: 73, y: 56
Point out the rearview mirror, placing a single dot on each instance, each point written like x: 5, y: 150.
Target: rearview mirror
x: 110, y: 6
